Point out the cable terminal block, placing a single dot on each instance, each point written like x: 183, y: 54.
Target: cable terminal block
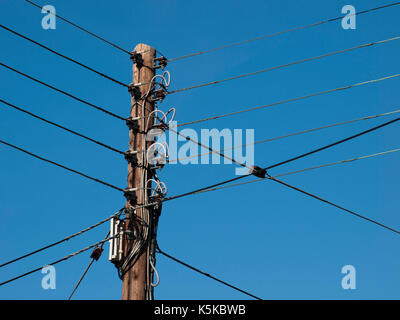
x: 116, y: 248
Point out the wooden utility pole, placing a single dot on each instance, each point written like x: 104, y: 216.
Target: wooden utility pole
x: 134, y: 281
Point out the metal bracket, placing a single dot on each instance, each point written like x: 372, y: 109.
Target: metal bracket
x: 162, y: 62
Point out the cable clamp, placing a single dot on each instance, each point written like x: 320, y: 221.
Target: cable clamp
x: 161, y: 125
x: 159, y: 95
x: 158, y: 200
x: 258, y: 172
x: 134, y: 91
x: 96, y: 254
x: 162, y: 62
x: 137, y: 59
x: 131, y: 157
x: 133, y: 124
x: 130, y: 195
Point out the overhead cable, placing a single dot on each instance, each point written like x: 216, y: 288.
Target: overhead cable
x: 64, y: 56
x: 61, y: 166
x: 285, y: 161
x: 87, y: 268
x: 63, y: 92
x: 206, y: 274
x: 285, y: 65
x: 293, y: 99
x: 283, y: 32
x: 57, y: 261
x: 293, y: 134
x: 335, y: 205
x: 61, y: 127
x: 303, y: 170
x: 62, y: 240
x: 81, y: 28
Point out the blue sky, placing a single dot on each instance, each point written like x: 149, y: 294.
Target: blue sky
x: 264, y: 238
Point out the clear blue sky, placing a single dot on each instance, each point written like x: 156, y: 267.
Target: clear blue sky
x: 262, y: 237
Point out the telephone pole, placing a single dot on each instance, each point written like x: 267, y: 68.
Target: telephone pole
x: 136, y: 279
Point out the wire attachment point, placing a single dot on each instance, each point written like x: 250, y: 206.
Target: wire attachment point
x: 96, y: 254
x: 259, y: 172
x: 130, y: 195
x: 132, y: 124
x: 162, y: 62
x: 159, y: 95
x: 131, y: 157
x: 137, y: 59
x: 134, y: 91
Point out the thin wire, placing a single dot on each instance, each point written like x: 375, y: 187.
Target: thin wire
x: 285, y: 65
x: 281, y: 32
x: 303, y: 170
x: 62, y: 240
x: 293, y: 134
x: 61, y: 166
x: 335, y: 205
x: 62, y: 127
x: 65, y: 57
x: 332, y: 144
x: 63, y: 92
x: 205, y: 274
x: 56, y: 262
x: 81, y: 28
x: 292, y: 100
x: 86, y: 270
x: 284, y: 162
x: 81, y: 278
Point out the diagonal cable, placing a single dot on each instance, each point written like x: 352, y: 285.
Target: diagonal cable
x: 81, y: 28
x: 62, y: 91
x: 61, y: 166
x: 354, y: 85
x: 366, y: 45
x: 335, y: 205
x: 205, y: 274
x: 64, y: 56
x: 283, y: 32
x: 57, y: 261
x: 87, y: 269
x: 303, y: 170
x: 61, y: 127
x: 61, y: 241
x: 293, y: 134
x: 286, y: 161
